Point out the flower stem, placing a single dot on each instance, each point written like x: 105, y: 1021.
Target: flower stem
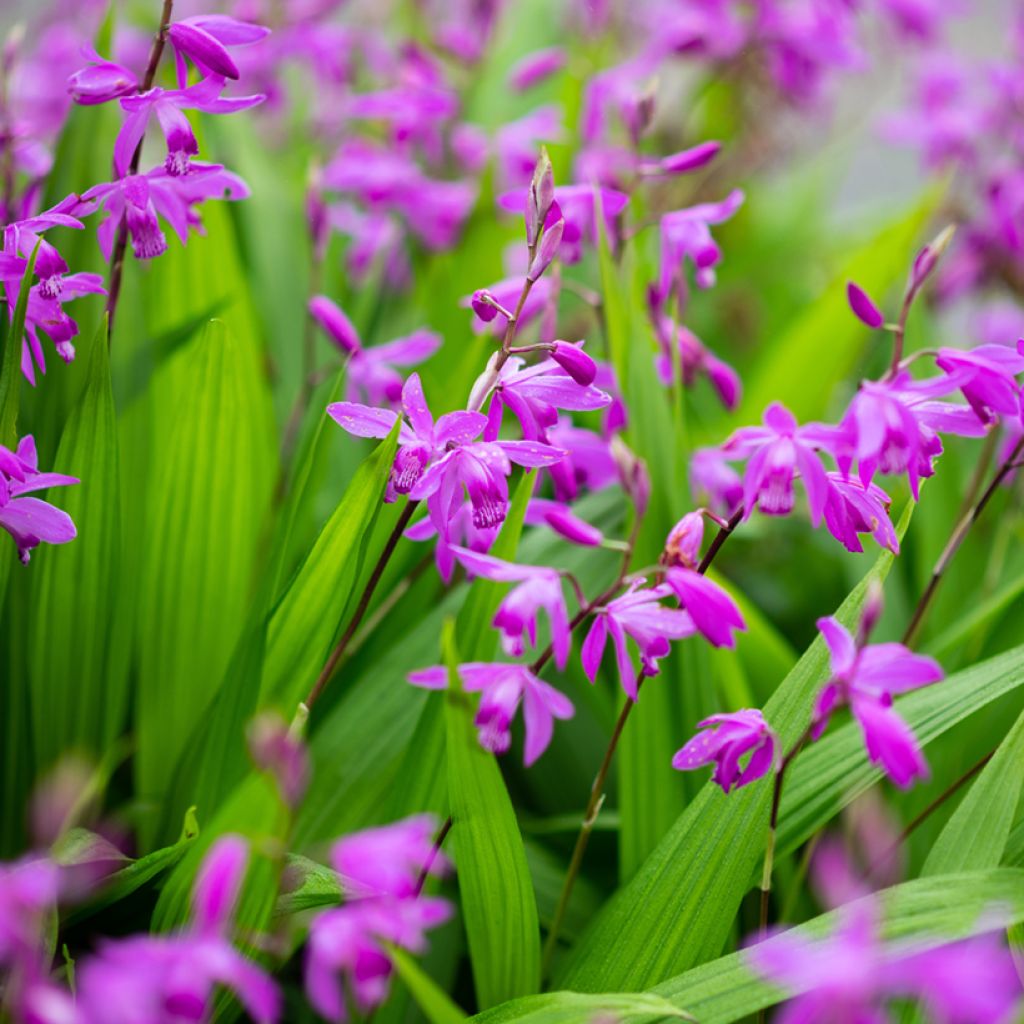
x: 442, y: 834
x: 121, y: 239
x: 957, y: 538
x: 364, y: 603
x: 596, y: 800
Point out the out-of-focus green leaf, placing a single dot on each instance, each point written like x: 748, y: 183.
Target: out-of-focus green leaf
x: 832, y: 772
x: 828, y: 337
x: 577, y: 1008
x: 436, y: 1005
x: 679, y: 908
x: 975, y: 836
x: 307, y: 885
x: 94, y: 632
x: 504, y: 947
x: 207, y: 496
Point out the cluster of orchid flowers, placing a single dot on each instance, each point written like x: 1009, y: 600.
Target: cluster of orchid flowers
x: 380, y: 875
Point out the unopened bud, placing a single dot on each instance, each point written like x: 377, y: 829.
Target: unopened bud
x: 927, y: 259
x: 682, y: 548
x: 636, y: 481
x: 484, y: 305
x: 549, y: 243
x: 541, y: 196
x: 863, y: 307
x: 575, y: 362
x: 338, y: 326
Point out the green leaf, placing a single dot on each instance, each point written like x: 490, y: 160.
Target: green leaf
x: 679, y: 908
x: 307, y: 885
x: 207, y: 496
x: 975, y: 836
x: 925, y: 912
x: 313, y: 609
x: 437, y: 1007
x: 577, y: 1008
x: 94, y: 645
x: 498, y: 905
x: 834, y: 771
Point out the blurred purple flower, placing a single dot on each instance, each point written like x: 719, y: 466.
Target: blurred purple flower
x: 205, y: 40
x: 279, y: 750
x: 863, y: 308
x: 727, y: 739
x: 558, y: 516
x: 714, y: 480
x: 102, y: 81
x: 461, y: 532
x: 854, y: 508
x: 517, y: 144
x: 694, y: 358
x: 502, y: 688
x: 986, y: 376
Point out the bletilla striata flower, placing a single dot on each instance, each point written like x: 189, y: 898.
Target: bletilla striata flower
x: 866, y: 678
x: 502, y: 689
x: 725, y: 741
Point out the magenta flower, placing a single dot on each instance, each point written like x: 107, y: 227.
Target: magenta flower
x: 516, y: 616
x: 712, y: 610
x: 558, y: 516
x: 28, y: 894
x: 389, y: 860
x: 536, y: 393
x: 986, y: 377
x: 101, y: 81
x: 420, y: 440
x: 854, y: 508
x: 536, y: 67
x: 892, y: 426
x: 517, y: 144
x: 638, y: 614
x: 166, y: 979
x: 694, y: 359
x: 167, y: 106
x: 503, y: 688
x: 138, y: 200
x: 686, y: 236
x: 727, y: 740
x: 370, y: 373
x: 589, y: 464
x: 31, y: 521
x: 863, y: 308
x: 692, y: 159
x: 780, y: 452
x: 866, y: 678
x: 205, y: 39
x: 506, y: 293
x: 280, y: 751
x: 461, y: 532
x: 848, y: 977
x: 351, y: 942
x: 682, y: 546
x: 715, y: 481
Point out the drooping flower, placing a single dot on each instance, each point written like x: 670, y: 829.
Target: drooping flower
x: 166, y: 979
x: 502, y: 689
x: 779, y: 452
x: 986, y: 377
x: 640, y: 615
x: 866, y: 678
x: 854, y: 508
x: 725, y: 741
x: 850, y: 975
x: 516, y: 615
x: 31, y: 521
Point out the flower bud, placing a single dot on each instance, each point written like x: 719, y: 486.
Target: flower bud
x: 636, y: 481
x: 575, y: 362
x: 863, y: 308
x: 338, y: 326
x: 280, y: 751
x: 540, y: 198
x: 549, y: 243
x: 682, y: 548
x: 203, y: 47
x: 101, y: 82
x: 927, y: 259
x: 566, y: 524
x: 690, y: 159
x: 484, y: 305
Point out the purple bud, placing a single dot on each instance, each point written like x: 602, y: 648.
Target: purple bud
x: 207, y: 51
x: 484, y: 305
x: 690, y: 159
x: 280, y: 751
x: 562, y: 520
x: 535, y: 67
x: 863, y: 308
x: 549, y: 243
x: 101, y: 82
x: 927, y: 259
x: 575, y: 362
x: 338, y: 326
x: 682, y: 548
x: 636, y: 481
x: 540, y: 198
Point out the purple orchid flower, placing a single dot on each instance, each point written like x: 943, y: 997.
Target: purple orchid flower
x: 503, y: 688
x: 516, y: 616
x: 728, y: 739
x: 167, y: 105
x: 892, y: 426
x: 138, y: 200
x: 847, y: 977
x: 694, y: 359
x: 165, y: 979
x: 779, y: 452
x: 712, y: 610
x: 589, y: 464
x: 28, y: 893
x: 557, y: 516
x: 535, y: 393
x: 102, y: 81
x: 686, y: 235
x: 854, y: 508
x: 866, y: 678
x: 536, y: 67
x: 389, y: 860
x: 351, y: 941
x: 987, y: 378
x: 205, y: 40
x: 370, y: 372
x: 638, y: 614
x: 31, y: 521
